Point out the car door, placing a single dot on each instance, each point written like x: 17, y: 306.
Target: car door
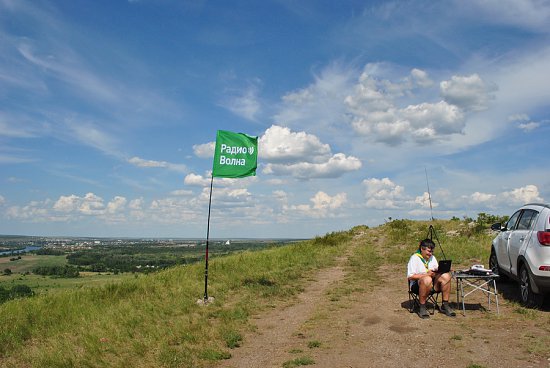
x: 503, y: 241
x: 519, y: 237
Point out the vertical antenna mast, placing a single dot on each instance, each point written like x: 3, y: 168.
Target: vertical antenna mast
x: 429, y: 195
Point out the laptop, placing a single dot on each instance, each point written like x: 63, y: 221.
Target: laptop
x: 444, y: 266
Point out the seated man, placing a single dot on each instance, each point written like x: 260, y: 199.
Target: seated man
x: 422, y: 275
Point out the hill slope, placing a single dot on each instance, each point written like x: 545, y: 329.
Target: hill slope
x: 334, y: 301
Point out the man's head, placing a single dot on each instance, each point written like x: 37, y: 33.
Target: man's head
x: 427, y: 244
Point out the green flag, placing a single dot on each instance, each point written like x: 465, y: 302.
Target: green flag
x: 235, y: 156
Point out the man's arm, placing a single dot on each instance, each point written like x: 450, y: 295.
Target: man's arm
x: 416, y: 269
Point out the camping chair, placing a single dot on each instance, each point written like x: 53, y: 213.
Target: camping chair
x: 414, y: 302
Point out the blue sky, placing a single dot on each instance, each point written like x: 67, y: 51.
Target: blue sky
x: 109, y: 111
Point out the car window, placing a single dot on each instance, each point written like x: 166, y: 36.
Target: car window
x: 527, y: 219
x: 511, y: 224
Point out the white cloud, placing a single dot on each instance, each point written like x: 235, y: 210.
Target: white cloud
x: 424, y: 201
x: 302, y: 155
x: 526, y: 194
x: 527, y: 127
x: 196, y: 180
x: 136, y: 204
x: 384, y: 194
x: 467, y: 92
x: 323, y: 205
x: 2, y: 200
x: 375, y: 113
x: 118, y: 204
x: 33, y: 212
x: 478, y: 197
x: 245, y: 103
x: 320, y: 104
x: 280, y: 144
x: 91, y: 204
x: 336, y: 166
x: 205, y: 150
x: 513, y: 198
x: 322, y: 201
x: 421, y: 78
x: 181, y: 192
x: 139, y: 162
x: 67, y: 203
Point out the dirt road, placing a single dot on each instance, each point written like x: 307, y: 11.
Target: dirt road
x: 371, y: 327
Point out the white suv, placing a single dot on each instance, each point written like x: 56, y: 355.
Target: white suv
x: 521, y: 251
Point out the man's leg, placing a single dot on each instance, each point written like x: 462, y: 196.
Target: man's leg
x: 443, y: 283
x: 424, y: 289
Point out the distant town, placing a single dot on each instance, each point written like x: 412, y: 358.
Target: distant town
x: 16, y: 243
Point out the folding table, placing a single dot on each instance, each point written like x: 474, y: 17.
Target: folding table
x: 467, y: 283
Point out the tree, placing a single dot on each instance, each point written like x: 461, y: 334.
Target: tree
x: 7, y: 272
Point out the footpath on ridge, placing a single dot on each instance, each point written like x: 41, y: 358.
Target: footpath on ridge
x: 371, y: 327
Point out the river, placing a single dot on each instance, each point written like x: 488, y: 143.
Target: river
x: 20, y: 251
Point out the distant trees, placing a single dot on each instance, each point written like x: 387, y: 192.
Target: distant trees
x: 7, y: 271
x: 16, y: 291
x: 66, y: 271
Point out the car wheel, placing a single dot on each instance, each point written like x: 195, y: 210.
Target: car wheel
x: 493, y: 264
x: 528, y: 297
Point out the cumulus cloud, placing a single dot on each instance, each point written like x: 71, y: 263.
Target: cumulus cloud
x: 116, y: 205
x: 375, y: 112
x: 204, y: 181
x: 90, y: 205
x: 322, y: 201
x: 526, y: 194
x: 467, y: 92
x: 205, y: 150
x: 35, y: 211
x: 196, y: 180
x: 323, y: 205
x: 424, y: 201
x: 280, y: 144
x: 336, y: 166
x: 384, y: 193
x: 302, y: 155
x: 513, y: 198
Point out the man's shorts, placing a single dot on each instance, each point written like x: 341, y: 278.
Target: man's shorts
x: 415, y: 289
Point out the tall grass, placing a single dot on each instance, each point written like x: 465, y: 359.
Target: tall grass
x: 154, y: 320
x: 456, y: 240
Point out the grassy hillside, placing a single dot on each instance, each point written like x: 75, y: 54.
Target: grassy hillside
x: 154, y: 320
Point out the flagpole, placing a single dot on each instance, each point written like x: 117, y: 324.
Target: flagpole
x: 207, y: 239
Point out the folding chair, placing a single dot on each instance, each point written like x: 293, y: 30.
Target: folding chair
x: 414, y: 302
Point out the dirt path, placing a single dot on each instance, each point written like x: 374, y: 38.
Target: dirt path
x: 372, y: 327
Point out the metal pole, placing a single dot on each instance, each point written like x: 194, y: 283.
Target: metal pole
x: 207, y: 239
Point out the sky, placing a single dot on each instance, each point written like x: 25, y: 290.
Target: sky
x: 364, y: 110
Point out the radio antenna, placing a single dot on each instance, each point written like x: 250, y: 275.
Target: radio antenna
x: 429, y: 195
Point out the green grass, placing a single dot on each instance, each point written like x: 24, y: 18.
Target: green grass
x: 314, y: 344
x: 298, y: 362
x: 459, y: 243
x: 154, y: 320
x: 30, y: 261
